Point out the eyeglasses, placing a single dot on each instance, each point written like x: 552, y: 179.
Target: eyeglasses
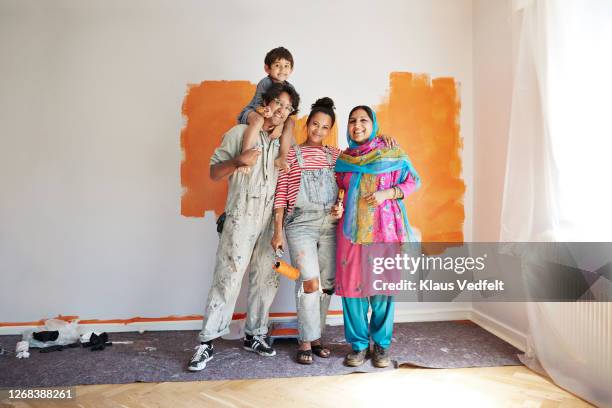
x: 287, y: 107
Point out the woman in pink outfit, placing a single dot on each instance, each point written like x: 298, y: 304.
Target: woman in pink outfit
x: 376, y: 178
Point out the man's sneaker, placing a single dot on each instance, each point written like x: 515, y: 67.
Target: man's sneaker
x: 380, y: 358
x: 356, y: 358
x: 203, y: 354
x: 258, y: 344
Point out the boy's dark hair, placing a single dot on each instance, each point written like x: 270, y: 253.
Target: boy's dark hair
x: 276, y: 54
x: 365, y: 108
x: 324, y: 105
x: 276, y: 89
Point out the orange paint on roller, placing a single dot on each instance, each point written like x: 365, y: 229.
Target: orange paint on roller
x: 287, y: 270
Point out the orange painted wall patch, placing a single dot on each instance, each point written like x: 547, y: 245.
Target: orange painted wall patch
x: 210, y: 110
x: 422, y: 113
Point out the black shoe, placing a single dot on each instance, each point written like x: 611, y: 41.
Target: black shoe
x: 380, y: 358
x: 203, y: 354
x: 257, y: 344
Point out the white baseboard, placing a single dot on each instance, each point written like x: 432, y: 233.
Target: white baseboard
x: 401, y: 316
x: 434, y: 315
x: 405, y: 316
x: 499, y: 329
x: 118, y: 327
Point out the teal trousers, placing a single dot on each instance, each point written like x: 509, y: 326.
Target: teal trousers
x: 358, y: 331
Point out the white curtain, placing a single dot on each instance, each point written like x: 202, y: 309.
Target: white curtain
x: 557, y: 185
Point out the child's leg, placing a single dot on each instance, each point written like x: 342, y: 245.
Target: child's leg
x: 255, y: 122
x: 286, y: 141
x: 249, y: 140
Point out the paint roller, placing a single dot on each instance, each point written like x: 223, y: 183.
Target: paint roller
x: 287, y: 270
x: 339, y: 202
x: 284, y: 268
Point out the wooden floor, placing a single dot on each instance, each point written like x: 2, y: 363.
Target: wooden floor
x: 465, y: 387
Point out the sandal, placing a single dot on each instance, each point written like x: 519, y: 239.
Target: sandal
x: 320, y: 351
x: 304, y: 357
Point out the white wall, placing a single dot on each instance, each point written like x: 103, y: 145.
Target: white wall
x: 90, y: 119
x: 493, y: 62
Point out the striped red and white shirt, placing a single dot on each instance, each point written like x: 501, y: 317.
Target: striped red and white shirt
x: 288, y: 184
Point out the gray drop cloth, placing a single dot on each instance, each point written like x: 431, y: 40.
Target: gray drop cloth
x: 163, y: 356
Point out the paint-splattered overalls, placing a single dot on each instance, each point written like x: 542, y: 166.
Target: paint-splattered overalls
x: 245, y: 241
x: 311, y: 235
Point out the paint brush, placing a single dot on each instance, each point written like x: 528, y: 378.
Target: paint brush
x: 339, y: 204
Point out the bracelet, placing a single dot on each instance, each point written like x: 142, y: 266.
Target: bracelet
x: 398, y: 193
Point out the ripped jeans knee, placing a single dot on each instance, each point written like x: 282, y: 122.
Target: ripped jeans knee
x: 310, y: 285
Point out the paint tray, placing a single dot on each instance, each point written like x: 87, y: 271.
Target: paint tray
x: 283, y: 330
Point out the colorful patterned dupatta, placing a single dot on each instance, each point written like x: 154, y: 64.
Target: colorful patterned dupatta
x: 366, y: 162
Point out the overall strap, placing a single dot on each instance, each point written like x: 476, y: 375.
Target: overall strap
x: 298, y: 156
x: 328, y: 154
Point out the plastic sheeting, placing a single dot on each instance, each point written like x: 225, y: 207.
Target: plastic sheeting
x: 68, y: 333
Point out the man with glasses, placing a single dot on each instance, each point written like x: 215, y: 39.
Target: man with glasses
x: 247, y: 230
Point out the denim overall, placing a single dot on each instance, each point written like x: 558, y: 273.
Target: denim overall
x: 311, y: 235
